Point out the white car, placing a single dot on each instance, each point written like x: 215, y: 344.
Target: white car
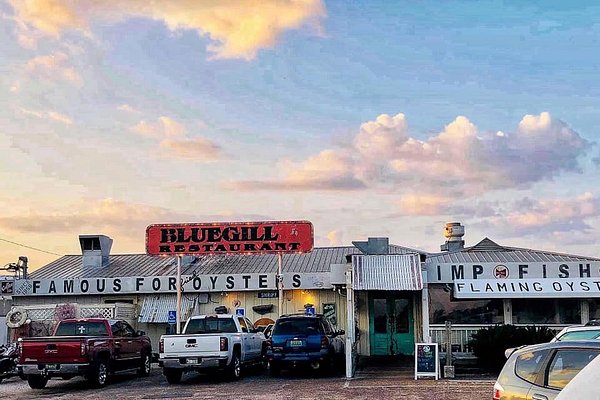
x: 582, y: 386
x: 577, y: 332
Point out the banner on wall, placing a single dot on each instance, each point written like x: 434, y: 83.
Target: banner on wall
x: 524, y: 288
x: 168, y: 284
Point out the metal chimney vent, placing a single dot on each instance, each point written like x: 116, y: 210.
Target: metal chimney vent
x: 453, y: 231
x: 95, y: 250
x: 373, y: 246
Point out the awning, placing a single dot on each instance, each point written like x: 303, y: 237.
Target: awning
x: 156, y: 308
x: 387, y: 272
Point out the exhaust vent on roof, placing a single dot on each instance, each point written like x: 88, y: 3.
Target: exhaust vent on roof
x: 453, y: 231
x: 95, y: 250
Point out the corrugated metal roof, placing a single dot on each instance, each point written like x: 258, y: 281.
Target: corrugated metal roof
x: 319, y: 260
x: 156, y: 308
x: 489, y: 251
x: 387, y: 272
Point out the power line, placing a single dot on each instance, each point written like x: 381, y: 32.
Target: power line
x: 29, y: 247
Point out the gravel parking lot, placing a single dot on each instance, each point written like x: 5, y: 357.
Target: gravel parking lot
x: 258, y: 385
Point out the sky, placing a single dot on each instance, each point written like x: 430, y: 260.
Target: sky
x: 369, y: 119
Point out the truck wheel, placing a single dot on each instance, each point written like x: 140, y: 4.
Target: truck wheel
x: 99, y: 374
x: 274, y: 369
x: 234, y: 368
x: 146, y: 365
x: 173, y: 375
x: 37, y: 381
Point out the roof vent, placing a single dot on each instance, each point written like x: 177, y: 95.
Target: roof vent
x: 95, y: 250
x: 373, y: 246
x: 453, y: 231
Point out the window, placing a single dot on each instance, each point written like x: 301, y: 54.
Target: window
x: 528, y: 364
x: 128, y: 331
x: 250, y: 325
x: 546, y: 311
x: 243, y: 324
x: 293, y: 326
x: 117, y: 329
x: 580, y: 335
x: 445, y: 308
x: 211, y: 325
x: 566, y: 364
x: 81, y: 329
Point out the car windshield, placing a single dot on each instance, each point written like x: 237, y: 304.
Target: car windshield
x: 294, y: 326
x: 96, y: 328
x: 211, y: 325
x: 580, y: 335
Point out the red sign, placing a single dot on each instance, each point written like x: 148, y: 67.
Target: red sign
x: 229, y: 238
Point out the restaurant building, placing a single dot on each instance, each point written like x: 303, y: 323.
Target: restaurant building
x: 386, y: 297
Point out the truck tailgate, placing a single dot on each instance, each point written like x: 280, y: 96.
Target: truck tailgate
x: 201, y: 345
x: 52, y: 350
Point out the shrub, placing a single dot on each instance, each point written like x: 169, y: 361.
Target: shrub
x: 489, y: 344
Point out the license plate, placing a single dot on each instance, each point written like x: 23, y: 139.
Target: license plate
x: 52, y: 367
x: 295, y: 343
x: 191, y: 361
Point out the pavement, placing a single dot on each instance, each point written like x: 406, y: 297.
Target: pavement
x: 372, y: 382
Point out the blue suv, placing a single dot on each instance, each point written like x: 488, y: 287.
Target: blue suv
x: 304, y: 340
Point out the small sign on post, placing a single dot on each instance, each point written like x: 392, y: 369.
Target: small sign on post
x: 172, y: 317
x: 240, y: 312
x: 310, y: 311
x: 426, y: 360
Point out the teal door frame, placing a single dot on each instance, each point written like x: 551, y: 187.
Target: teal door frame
x: 391, y: 323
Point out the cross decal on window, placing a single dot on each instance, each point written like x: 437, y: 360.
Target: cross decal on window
x: 81, y: 329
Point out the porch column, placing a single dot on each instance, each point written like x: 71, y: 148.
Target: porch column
x: 585, y: 311
x: 425, y: 307
x: 351, y: 324
x: 507, y: 306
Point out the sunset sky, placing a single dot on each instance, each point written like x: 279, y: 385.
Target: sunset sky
x: 371, y: 118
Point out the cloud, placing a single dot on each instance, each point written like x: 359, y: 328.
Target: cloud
x: 458, y: 162
x: 174, y: 141
x: 550, y: 218
x: 128, y: 109
x: 325, y: 171
x: 191, y: 149
x: 54, y: 67
x: 334, y: 238
x: 236, y: 29
x: 53, y: 115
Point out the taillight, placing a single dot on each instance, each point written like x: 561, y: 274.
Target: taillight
x: 324, y: 342
x: 84, y: 348
x: 498, y: 391
x: 268, y: 344
x: 224, y: 344
x: 161, y: 346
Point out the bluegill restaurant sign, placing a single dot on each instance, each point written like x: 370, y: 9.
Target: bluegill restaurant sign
x: 451, y: 272
x: 230, y: 238
x: 524, y: 288
x: 168, y: 284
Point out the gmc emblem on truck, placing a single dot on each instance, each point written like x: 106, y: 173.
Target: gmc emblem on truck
x: 191, y: 345
x: 51, y: 351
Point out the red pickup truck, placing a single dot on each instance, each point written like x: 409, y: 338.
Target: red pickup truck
x: 91, y: 347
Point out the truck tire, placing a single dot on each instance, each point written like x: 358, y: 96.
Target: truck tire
x: 234, y: 369
x: 173, y: 375
x: 274, y: 368
x: 145, y: 365
x: 98, y: 376
x: 37, y: 381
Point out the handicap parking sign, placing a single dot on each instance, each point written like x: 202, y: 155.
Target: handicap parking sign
x: 240, y: 312
x: 310, y: 311
x: 172, y: 317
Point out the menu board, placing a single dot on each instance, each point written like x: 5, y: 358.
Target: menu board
x: 426, y: 360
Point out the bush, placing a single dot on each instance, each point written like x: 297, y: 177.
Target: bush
x: 489, y: 344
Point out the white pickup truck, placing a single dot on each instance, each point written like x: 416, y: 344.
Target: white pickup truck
x: 220, y: 341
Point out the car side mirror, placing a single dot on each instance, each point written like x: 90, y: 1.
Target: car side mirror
x: 140, y: 333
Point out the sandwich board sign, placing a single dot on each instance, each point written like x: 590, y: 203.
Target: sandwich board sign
x: 427, y: 361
